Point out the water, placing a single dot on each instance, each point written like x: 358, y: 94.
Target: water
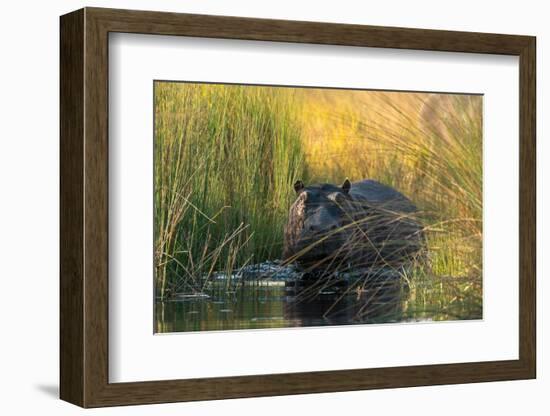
x: 278, y: 304
x: 274, y: 295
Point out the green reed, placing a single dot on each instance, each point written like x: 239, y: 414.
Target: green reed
x: 225, y: 161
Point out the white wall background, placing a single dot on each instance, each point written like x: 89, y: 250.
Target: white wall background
x: 29, y: 210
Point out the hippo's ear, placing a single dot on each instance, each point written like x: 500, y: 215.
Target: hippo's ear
x: 298, y: 186
x: 346, y: 186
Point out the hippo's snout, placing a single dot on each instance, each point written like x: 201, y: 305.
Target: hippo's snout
x: 314, y: 239
x: 319, y: 230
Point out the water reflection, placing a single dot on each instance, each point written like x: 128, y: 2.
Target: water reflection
x: 269, y: 304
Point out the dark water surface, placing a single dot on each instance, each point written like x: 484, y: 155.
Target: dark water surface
x: 282, y: 303
x: 269, y: 304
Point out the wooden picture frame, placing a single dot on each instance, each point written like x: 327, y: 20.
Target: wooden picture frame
x: 84, y: 207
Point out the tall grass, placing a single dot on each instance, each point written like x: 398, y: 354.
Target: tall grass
x: 225, y: 161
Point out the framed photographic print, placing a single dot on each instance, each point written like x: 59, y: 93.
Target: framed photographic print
x: 255, y: 207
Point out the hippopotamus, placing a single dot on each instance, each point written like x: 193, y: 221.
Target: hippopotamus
x: 356, y: 225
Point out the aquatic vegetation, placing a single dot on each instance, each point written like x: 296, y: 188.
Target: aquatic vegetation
x: 225, y: 158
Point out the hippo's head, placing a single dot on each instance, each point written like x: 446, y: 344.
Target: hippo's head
x: 316, y: 225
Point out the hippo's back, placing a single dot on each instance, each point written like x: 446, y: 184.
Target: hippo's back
x: 381, y: 196
x: 390, y: 222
